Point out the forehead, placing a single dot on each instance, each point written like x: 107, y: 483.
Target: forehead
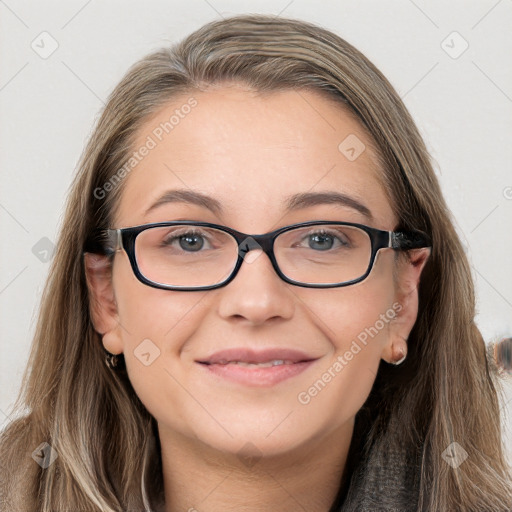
x: 250, y: 151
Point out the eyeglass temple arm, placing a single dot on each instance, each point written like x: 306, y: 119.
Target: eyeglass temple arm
x: 104, y: 241
x: 406, y: 240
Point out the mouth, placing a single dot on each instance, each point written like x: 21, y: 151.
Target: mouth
x: 257, y: 368
x: 269, y: 357
x: 249, y: 364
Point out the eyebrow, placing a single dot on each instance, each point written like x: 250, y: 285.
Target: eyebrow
x: 187, y: 196
x: 307, y: 199
x: 292, y: 203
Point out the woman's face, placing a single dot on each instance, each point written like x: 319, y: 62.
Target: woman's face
x: 250, y: 154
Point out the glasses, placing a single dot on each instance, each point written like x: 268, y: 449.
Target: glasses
x: 188, y: 255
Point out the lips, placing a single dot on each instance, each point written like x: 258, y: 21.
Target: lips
x: 256, y: 368
x: 272, y: 357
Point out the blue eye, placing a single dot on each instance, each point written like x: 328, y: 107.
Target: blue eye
x: 191, y: 242
x: 324, y: 240
x: 321, y: 241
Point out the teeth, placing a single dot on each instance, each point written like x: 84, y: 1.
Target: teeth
x: 275, y: 362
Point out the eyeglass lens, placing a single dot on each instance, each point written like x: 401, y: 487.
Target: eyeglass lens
x: 202, y: 256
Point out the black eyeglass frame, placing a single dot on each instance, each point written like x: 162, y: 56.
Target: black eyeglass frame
x: 124, y: 238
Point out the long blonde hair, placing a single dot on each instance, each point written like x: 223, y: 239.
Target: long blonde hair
x: 107, y: 443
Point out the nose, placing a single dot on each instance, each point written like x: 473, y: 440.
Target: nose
x: 256, y: 294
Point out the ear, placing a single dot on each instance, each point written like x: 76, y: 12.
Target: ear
x: 102, y: 302
x: 407, y: 281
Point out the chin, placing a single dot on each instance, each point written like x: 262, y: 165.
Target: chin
x: 256, y: 439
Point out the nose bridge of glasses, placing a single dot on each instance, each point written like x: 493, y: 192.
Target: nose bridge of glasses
x: 248, y: 243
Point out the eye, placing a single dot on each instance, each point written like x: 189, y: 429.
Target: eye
x: 324, y: 240
x: 192, y: 242
x: 321, y: 241
x: 189, y: 241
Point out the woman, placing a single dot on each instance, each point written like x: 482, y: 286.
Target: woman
x: 257, y: 246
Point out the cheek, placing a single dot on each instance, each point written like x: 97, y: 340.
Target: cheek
x: 356, y: 321
x: 163, y: 317
x: 154, y: 326
x: 357, y: 318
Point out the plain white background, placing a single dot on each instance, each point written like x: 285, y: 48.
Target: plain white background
x: 451, y: 64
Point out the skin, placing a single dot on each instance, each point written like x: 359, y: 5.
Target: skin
x: 250, y: 151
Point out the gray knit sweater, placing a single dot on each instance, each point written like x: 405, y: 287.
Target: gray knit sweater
x: 384, y: 482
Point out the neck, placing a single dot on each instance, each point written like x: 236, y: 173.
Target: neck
x: 198, y: 478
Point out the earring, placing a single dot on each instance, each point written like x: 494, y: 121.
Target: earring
x: 403, y: 353
x: 111, y: 360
